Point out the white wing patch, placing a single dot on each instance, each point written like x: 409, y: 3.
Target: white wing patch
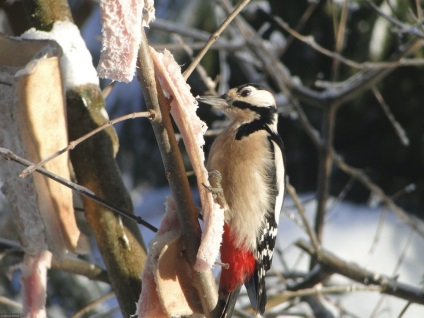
x: 279, y: 167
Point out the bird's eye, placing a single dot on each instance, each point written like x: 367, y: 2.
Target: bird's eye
x: 245, y: 93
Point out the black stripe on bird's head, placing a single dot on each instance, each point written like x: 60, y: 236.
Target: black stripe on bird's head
x: 247, y: 102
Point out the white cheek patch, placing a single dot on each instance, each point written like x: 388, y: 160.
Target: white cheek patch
x: 260, y: 98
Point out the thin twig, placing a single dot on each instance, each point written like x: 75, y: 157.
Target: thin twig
x: 108, y: 89
x: 404, y: 309
x: 385, y: 199
x: 68, y: 264
x: 413, y: 30
x: 209, y: 83
x: 419, y: 9
x: 183, y: 30
x: 361, y: 275
x: 403, y: 252
x: 309, y: 40
x: 340, y: 197
x: 9, y: 302
x: 74, y: 143
x: 9, y: 155
x: 357, y: 83
x: 276, y: 70
x: 83, y: 268
x: 93, y: 304
x: 231, y: 47
x: 340, y: 38
x: 312, y: 5
x: 324, y: 170
x: 213, y: 38
x: 396, y: 125
x: 395, y: 270
x: 292, y: 192
x: 186, y: 210
x: 409, y: 188
x: 378, y: 231
x: 319, y: 290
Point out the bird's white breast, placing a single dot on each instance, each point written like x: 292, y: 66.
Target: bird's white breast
x: 242, y: 164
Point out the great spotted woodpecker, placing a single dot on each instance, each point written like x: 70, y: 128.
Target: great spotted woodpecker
x: 249, y: 155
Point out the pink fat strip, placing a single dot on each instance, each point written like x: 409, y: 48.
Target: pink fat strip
x: 34, y: 282
x: 183, y: 110
x: 149, y: 303
x: 121, y: 36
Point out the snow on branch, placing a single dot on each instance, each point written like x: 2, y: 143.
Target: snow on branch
x: 76, y: 63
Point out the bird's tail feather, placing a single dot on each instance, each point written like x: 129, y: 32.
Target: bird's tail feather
x: 228, y: 302
x: 256, y: 291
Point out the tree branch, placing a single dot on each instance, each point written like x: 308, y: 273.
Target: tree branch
x: 71, y: 265
x: 93, y: 304
x: 324, y: 169
x: 175, y: 172
x: 353, y: 271
x: 356, y: 84
x: 83, y: 191
x: 312, y: 235
x: 214, y: 37
x: 74, y: 143
x: 357, y: 174
x: 119, y: 240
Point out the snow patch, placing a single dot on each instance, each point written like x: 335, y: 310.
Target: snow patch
x: 76, y: 63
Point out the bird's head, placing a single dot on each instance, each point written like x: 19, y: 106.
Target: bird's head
x: 245, y: 103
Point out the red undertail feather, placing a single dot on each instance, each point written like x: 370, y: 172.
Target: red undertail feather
x: 242, y: 263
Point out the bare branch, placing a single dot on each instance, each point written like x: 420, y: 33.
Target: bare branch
x: 313, y: 237
x: 9, y: 302
x: 351, y: 88
x: 324, y: 169
x: 396, y: 125
x: 83, y: 268
x: 386, y: 284
x: 340, y: 38
x: 74, y: 143
x: 405, y: 28
x: 9, y: 155
x: 309, y: 40
x: 366, y: 181
x: 378, y: 231
x: 312, y: 5
x: 231, y: 47
x: 319, y: 290
x: 183, y: 30
x: 210, y: 84
x: 404, y: 309
x: 214, y: 37
x: 174, y: 167
x: 93, y: 304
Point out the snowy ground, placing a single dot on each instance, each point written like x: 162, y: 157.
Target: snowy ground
x: 355, y: 233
